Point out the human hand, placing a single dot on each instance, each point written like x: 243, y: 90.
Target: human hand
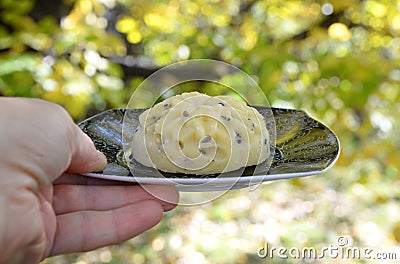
x: 39, y: 143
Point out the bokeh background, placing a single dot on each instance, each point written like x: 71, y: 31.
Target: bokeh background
x: 338, y: 60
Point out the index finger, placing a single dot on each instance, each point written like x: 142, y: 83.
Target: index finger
x: 76, y: 179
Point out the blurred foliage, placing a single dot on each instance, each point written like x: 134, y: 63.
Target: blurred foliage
x: 338, y: 60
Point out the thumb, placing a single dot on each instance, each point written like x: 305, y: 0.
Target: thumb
x: 85, y: 158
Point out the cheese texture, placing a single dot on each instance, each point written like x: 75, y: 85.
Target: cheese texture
x: 194, y: 133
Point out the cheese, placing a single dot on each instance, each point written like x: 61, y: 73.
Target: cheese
x: 194, y: 133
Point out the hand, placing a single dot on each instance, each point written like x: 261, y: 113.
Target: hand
x: 41, y: 216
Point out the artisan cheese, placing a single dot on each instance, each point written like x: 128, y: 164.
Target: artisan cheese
x: 194, y: 133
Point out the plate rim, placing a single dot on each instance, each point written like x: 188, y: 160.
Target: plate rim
x: 224, y: 180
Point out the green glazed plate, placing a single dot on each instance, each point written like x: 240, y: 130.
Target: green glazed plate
x: 303, y: 147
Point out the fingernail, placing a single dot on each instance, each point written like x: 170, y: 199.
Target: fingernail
x: 169, y: 207
x: 101, y: 161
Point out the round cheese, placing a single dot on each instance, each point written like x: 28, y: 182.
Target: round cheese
x: 194, y: 133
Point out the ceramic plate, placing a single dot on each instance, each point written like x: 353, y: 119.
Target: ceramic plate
x: 303, y: 147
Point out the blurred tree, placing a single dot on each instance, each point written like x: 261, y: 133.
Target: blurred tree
x: 89, y: 55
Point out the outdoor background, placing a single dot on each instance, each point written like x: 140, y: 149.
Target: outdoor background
x: 338, y: 60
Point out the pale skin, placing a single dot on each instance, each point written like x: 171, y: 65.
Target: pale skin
x: 45, y: 207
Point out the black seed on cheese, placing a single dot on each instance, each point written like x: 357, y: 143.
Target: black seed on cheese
x: 227, y: 118
x: 159, y: 149
x: 238, y: 135
x: 206, y: 139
